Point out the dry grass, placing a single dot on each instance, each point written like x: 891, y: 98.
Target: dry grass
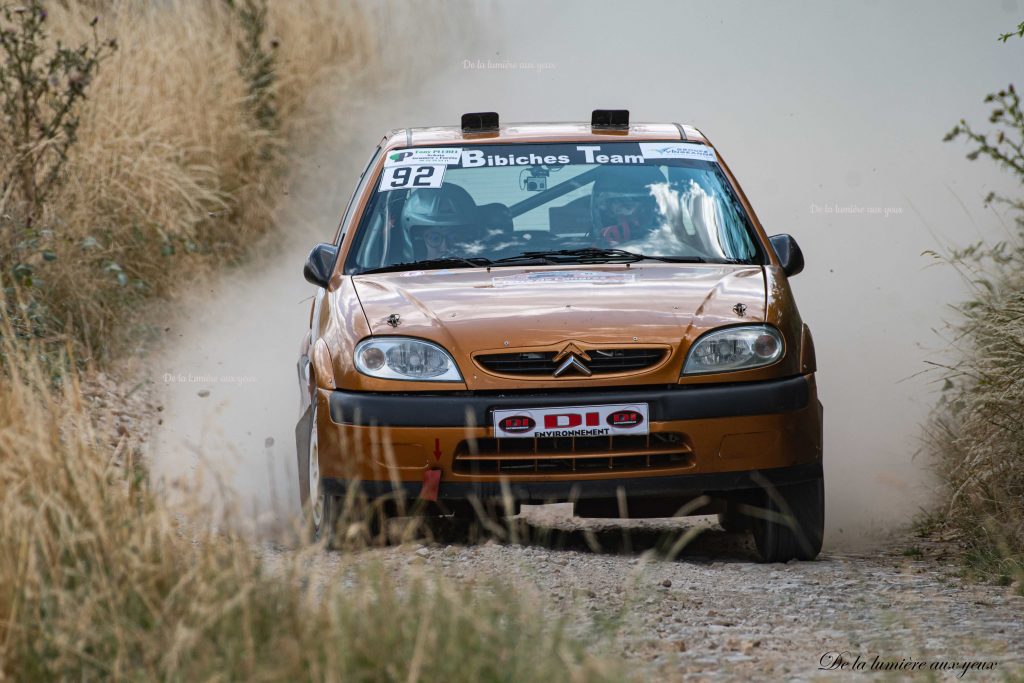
x: 99, y: 580
x: 172, y: 175
x: 977, y: 432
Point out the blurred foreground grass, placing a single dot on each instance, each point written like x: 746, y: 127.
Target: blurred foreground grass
x: 100, y: 580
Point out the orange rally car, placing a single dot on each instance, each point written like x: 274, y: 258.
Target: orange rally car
x: 561, y: 312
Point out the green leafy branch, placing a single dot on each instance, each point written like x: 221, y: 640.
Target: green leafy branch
x: 1018, y: 33
x: 1005, y: 146
x: 40, y: 90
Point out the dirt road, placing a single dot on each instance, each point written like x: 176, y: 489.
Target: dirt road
x: 716, y: 614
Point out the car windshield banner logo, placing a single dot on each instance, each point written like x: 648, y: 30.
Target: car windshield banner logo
x: 551, y: 155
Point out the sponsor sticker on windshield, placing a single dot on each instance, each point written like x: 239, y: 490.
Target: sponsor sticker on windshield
x: 432, y: 273
x: 536, y: 155
x: 411, y: 177
x: 423, y: 156
x: 677, y: 150
x: 563, y: 277
x: 582, y: 421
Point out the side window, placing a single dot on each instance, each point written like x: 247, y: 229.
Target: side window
x: 371, y: 250
x: 364, y: 178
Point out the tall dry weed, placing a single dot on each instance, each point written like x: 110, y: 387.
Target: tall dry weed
x: 977, y: 431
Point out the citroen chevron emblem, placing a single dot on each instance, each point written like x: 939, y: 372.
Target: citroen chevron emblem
x: 573, y: 362
x: 571, y: 349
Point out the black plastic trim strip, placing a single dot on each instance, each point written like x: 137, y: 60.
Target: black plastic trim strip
x: 461, y: 409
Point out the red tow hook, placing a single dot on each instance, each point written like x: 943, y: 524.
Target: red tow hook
x: 432, y: 476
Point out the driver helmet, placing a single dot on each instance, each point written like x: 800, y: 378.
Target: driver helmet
x: 435, y: 216
x: 622, y: 196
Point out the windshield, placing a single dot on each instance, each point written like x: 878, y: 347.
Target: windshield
x: 477, y: 205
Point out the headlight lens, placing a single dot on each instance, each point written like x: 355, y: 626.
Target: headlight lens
x: 734, y: 348
x: 403, y: 358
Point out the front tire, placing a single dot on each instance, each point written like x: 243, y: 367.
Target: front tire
x: 323, y: 507
x: 732, y: 520
x: 790, y: 524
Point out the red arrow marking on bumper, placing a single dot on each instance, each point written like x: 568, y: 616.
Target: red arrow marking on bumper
x: 437, y: 450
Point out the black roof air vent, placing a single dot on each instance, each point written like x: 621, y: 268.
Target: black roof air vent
x: 609, y: 118
x: 480, y: 121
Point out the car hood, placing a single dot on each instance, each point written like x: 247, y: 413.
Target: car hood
x: 473, y: 309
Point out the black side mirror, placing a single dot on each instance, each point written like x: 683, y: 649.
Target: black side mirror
x: 320, y: 263
x: 788, y: 251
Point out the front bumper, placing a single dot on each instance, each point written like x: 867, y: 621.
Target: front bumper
x: 387, y: 441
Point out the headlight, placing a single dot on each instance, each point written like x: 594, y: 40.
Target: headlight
x: 403, y: 358
x: 734, y: 348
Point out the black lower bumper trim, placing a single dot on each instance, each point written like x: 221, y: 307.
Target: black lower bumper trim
x: 460, y: 409
x: 560, y: 491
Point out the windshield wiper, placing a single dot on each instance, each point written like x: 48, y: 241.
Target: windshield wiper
x: 683, y: 259
x: 555, y: 256
x: 697, y: 259
x: 432, y: 264
x: 529, y: 258
x: 598, y: 254
x: 551, y: 257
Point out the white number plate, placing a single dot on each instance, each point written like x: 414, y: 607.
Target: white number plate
x: 401, y: 177
x: 609, y: 420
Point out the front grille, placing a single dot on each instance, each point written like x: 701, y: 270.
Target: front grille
x: 623, y: 360
x: 566, y: 455
x: 542, y: 363
x: 539, y: 363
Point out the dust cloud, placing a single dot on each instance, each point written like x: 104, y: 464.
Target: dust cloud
x: 831, y: 115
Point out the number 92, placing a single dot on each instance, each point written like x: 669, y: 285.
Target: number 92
x: 412, y: 176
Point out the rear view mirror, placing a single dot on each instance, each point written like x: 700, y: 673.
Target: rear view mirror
x: 790, y: 257
x: 320, y: 264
